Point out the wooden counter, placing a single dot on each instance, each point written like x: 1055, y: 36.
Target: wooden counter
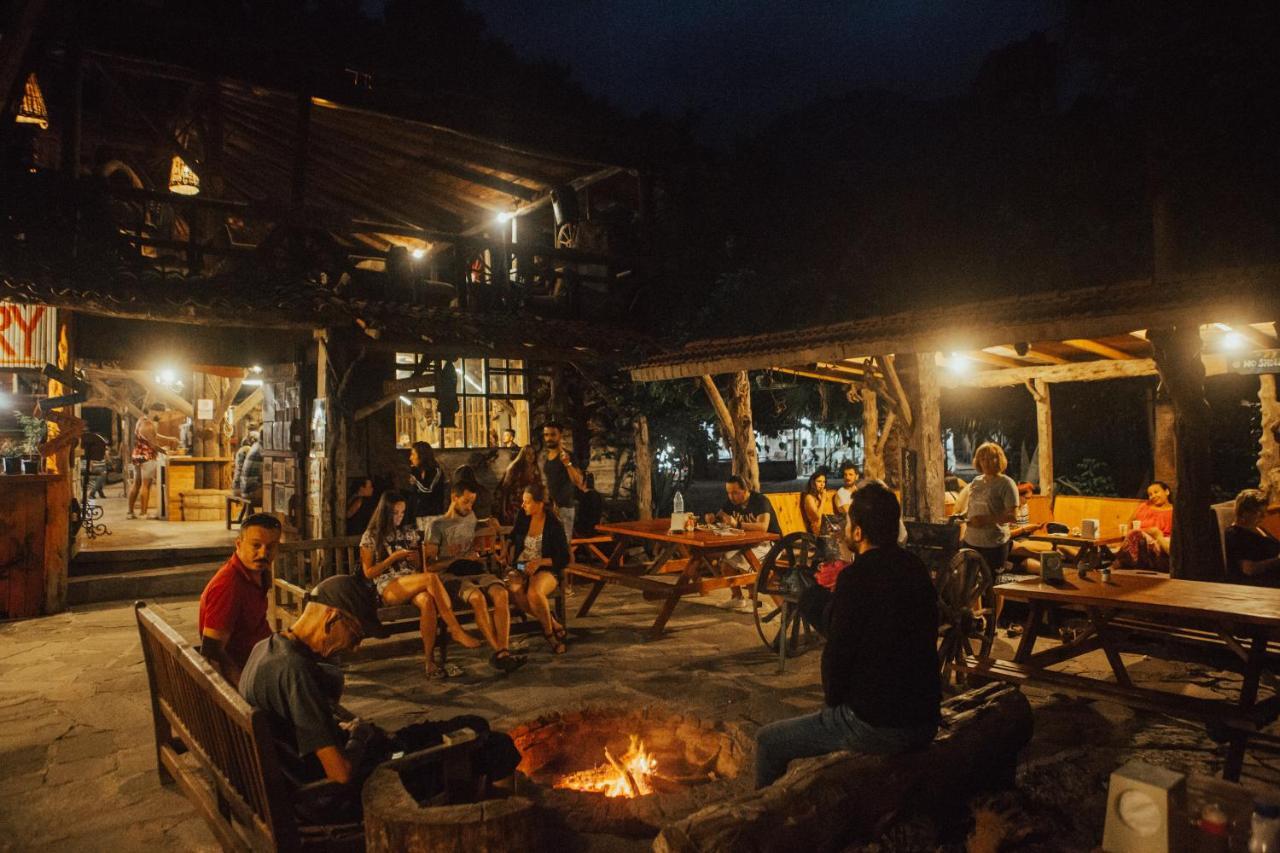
x: 24, y: 510
x: 208, y: 477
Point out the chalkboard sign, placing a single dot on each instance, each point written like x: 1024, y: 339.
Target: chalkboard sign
x: 1259, y: 361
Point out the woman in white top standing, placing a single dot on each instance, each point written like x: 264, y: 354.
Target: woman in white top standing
x: 992, y: 505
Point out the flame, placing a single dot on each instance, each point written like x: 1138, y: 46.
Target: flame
x: 625, y: 777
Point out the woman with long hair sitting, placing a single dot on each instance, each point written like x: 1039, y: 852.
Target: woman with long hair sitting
x: 819, y: 520
x: 539, y: 553
x: 428, y: 485
x: 520, y: 474
x: 1147, y: 544
x: 391, y: 554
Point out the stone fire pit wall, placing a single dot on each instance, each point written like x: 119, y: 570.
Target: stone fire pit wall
x: 826, y: 803
x: 699, y: 763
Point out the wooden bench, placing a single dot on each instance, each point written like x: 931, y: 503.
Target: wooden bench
x: 786, y: 505
x: 301, y: 565
x: 1110, y: 512
x: 219, y: 750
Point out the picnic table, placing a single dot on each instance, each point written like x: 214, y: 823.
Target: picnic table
x: 1237, y: 619
x: 693, y: 563
x: 1077, y: 541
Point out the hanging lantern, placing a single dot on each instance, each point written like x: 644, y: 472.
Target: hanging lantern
x: 33, y: 110
x: 182, y: 180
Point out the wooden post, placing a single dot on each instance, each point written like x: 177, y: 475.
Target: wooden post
x: 722, y: 411
x: 57, y: 541
x: 644, y: 469
x: 1195, y: 552
x: 1163, y: 445
x: 746, y: 462
x: 924, y: 482
x: 872, y: 447
x: 1044, y: 435
x: 1269, y: 443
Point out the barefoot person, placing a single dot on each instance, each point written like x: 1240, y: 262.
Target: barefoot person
x: 539, y: 552
x: 391, y: 556
x: 453, y: 548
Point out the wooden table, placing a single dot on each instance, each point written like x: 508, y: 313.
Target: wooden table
x: 683, y: 564
x: 1112, y: 538
x: 1229, y: 617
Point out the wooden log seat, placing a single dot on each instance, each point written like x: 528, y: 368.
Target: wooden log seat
x: 301, y: 565
x: 830, y: 802
x: 394, y: 821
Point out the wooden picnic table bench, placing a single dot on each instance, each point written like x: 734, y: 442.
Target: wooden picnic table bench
x: 683, y: 564
x: 1241, y: 619
x: 220, y: 751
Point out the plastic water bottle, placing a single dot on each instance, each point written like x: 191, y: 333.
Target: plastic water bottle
x: 1264, y: 836
x: 678, y: 503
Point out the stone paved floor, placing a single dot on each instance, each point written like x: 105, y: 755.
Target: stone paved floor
x: 77, y: 761
x: 150, y: 533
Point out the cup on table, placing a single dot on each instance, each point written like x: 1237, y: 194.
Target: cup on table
x: 1124, y: 528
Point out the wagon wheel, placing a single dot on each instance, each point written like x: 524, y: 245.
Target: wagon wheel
x: 966, y: 615
x: 782, y: 576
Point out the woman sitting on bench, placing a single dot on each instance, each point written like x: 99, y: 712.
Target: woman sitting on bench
x: 540, y: 553
x: 390, y: 551
x: 1147, y: 544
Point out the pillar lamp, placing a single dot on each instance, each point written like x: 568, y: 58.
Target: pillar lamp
x: 182, y: 179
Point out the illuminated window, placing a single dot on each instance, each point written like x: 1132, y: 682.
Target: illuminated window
x: 492, y: 398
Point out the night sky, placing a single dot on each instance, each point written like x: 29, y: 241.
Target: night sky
x: 738, y: 63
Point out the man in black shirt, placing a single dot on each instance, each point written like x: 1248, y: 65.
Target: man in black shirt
x: 745, y: 510
x: 563, y: 480
x: 879, y: 667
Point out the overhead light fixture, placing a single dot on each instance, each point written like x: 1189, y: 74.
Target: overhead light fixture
x: 33, y: 110
x: 166, y: 376
x: 958, y: 362
x: 405, y: 400
x: 252, y: 383
x: 257, y: 368
x: 182, y: 180
x: 1233, y: 341
x: 504, y: 217
x: 419, y: 254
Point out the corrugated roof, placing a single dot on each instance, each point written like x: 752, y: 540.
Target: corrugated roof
x: 1228, y: 296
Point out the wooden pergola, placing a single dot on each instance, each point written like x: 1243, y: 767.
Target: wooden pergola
x: 1181, y: 330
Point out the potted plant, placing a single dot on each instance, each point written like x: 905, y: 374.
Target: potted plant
x: 11, y: 454
x: 33, y: 432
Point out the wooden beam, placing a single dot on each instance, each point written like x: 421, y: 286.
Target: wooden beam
x: 872, y: 447
x: 895, y: 385
x: 247, y: 405
x: 718, y: 405
x: 1079, y: 371
x: 1255, y: 337
x: 852, y: 368
x: 644, y: 468
x: 845, y: 379
x: 1096, y: 348
x: 1033, y: 354
x: 746, y: 461
x: 986, y: 357
x: 1044, y: 436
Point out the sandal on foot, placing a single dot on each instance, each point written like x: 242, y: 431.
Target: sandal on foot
x: 506, y: 662
x: 556, y: 644
x: 448, y: 670
x: 561, y: 633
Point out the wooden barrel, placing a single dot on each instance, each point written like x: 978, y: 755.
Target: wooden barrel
x: 394, y: 822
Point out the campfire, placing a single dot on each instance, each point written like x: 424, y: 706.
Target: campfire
x: 629, y: 776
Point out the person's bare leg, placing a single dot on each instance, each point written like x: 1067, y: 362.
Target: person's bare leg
x: 479, y: 609
x: 145, y: 498
x: 540, y: 586
x: 135, y: 487
x: 405, y: 587
x: 427, y: 626
x: 501, y: 615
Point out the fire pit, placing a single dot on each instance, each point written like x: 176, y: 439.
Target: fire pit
x: 629, y: 771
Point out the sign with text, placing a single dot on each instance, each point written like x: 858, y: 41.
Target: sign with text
x: 28, y: 335
x: 1260, y: 361
x: 204, y: 409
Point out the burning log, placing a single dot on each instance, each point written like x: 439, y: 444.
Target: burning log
x: 829, y: 802
x: 632, y: 788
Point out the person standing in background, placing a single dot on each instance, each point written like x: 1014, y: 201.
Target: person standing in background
x: 564, y: 480
x: 428, y: 486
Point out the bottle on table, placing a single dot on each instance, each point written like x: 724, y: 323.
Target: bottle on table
x: 1264, y: 835
x: 678, y: 503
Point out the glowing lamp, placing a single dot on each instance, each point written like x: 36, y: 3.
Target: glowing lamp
x: 32, y: 110
x: 958, y: 362
x: 1233, y: 341
x: 182, y: 180
x: 419, y: 254
x: 504, y: 217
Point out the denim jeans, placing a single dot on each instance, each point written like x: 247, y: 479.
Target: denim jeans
x: 829, y: 730
x: 567, y: 515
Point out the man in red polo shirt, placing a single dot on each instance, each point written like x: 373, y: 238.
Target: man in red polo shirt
x: 233, y: 606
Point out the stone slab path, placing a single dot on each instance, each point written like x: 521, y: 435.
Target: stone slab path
x: 77, y: 760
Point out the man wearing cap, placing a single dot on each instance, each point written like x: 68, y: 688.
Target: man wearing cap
x: 233, y: 606
x: 287, y: 675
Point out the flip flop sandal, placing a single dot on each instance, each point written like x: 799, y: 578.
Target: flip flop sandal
x: 449, y: 670
x: 557, y: 645
x: 507, y: 662
x: 561, y: 633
